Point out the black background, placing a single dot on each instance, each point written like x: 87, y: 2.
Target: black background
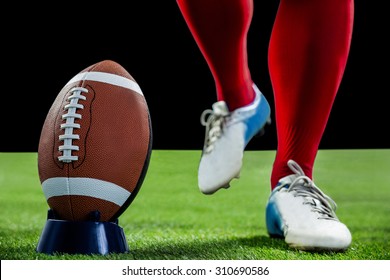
x: 45, y: 46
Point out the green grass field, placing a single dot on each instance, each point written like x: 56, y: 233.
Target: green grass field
x: 171, y: 219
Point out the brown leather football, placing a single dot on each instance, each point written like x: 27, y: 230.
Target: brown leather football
x: 95, y: 144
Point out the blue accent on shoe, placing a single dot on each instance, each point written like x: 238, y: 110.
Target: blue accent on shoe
x: 257, y: 121
x: 273, y: 220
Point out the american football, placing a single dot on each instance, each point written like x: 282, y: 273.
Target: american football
x: 95, y: 144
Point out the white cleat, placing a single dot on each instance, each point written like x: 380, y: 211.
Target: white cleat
x: 304, y: 216
x: 227, y: 134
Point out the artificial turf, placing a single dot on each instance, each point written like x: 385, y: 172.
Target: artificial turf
x: 171, y: 220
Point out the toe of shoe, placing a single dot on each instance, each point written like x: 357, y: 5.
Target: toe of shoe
x: 213, y: 176
x: 335, y: 237
x: 211, y: 184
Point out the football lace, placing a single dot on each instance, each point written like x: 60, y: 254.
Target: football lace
x: 69, y: 125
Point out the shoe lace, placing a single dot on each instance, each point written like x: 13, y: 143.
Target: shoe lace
x: 303, y: 186
x: 214, y: 121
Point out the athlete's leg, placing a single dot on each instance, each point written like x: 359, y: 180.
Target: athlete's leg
x: 220, y: 30
x: 307, y: 56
